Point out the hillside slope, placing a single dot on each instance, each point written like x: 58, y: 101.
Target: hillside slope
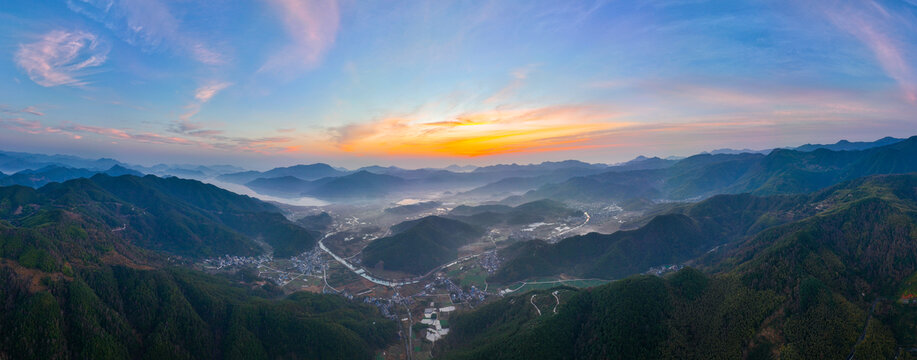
x: 182, y: 217
x: 798, y: 290
x: 419, y: 246
x: 685, y: 233
x: 782, y: 171
x: 77, y: 283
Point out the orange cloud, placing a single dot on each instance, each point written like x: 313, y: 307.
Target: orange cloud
x: 478, y: 134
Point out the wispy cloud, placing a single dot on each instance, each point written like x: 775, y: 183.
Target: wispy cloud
x: 61, y: 57
x: 193, y: 136
x: 874, y: 26
x: 207, y: 92
x: 187, y: 127
x: 26, y: 110
x: 148, y: 24
x: 312, y: 26
x: 238, y: 144
x: 518, y: 79
x: 21, y: 125
x: 202, y: 95
x: 32, y: 110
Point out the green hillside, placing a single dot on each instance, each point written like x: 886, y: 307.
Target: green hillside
x: 685, y: 233
x: 802, y: 289
x: 77, y: 283
x: 782, y: 171
x: 527, y: 213
x: 419, y: 246
x: 182, y: 217
x: 119, y: 312
x: 687, y: 316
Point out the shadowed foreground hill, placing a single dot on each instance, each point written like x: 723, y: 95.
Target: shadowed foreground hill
x: 799, y: 290
x: 119, y: 312
x: 182, y: 217
x: 77, y: 283
x: 418, y: 246
x: 685, y: 233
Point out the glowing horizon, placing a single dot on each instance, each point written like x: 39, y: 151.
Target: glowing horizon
x: 277, y: 82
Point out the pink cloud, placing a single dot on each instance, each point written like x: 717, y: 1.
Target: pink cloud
x: 207, y: 92
x: 21, y: 125
x: 871, y: 26
x: 110, y: 132
x: 32, y: 110
x: 202, y: 95
x: 27, y: 110
x: 61, y: 57
x: 312, y: 26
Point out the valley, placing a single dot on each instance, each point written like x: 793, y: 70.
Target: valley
x: 430, y: 262
x: 335, y: 266
x: 458, y: 180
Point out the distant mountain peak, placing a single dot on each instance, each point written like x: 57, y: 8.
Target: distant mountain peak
x: 846, y: 145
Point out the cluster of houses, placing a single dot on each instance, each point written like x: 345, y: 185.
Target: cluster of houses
x: 230, y: 261
x: 431, y: 317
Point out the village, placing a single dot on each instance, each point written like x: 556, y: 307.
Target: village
x: 421, y: 304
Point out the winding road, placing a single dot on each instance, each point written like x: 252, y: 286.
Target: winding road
x: 862, y: 337
x: 524, y: 283
x: 576, y: 227
x: 362, y: 272
x: 392, y: 283
x: 558, y: 301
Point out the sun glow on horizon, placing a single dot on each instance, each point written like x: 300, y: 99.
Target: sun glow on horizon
x: 284, y: 81
x: 479, y: 134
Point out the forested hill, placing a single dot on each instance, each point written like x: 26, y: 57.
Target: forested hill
x: 117, y: 312
x: 690, y: 231
x: 181, y: 217
x: 527, y: 213
x: 82, y: 275
x: 683, y: 234
x: 418, y: 246
x: 799, y: 290
x: 782, y: 171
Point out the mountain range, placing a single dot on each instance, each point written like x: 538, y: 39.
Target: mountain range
x: 696, y: 177
x: 55, y: 173
x: 820, y: 282
x: 793, y: 254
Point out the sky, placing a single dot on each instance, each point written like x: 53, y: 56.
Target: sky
x: 432, y: 83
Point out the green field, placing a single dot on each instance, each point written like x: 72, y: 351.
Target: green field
x: 470, y: 275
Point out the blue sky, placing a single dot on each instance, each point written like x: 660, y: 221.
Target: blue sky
x: 415, y: 83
